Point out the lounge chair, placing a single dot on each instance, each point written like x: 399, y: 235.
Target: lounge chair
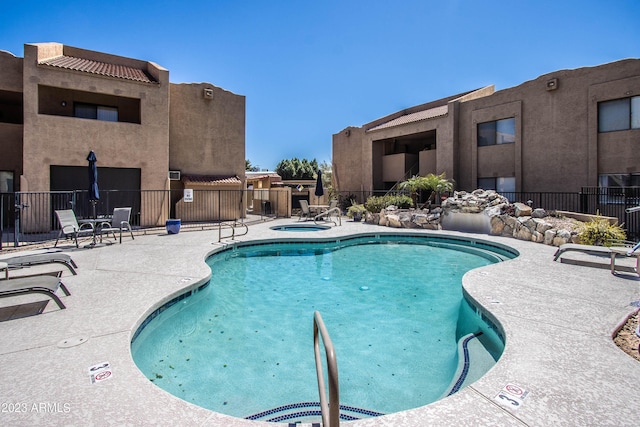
x: 613, y: 252
x: 38, y: 259
x: 69, y: 226
x: 304, y: 210
x: 119, y: 222
x: 45, y: 284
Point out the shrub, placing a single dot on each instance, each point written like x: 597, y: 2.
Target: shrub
x: 600, y: 232
x: 356, y: 210
x: 375, y: 204
x: 345, y: 201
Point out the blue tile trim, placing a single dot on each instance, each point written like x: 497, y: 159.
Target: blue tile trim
x: 311, y: 412
x: 465, y: 370
x: 165, y: 306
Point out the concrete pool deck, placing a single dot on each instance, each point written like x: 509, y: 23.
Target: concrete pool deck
x: 558, y: 320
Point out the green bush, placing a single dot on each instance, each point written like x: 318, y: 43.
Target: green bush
x: 375, y: 204
x: 600, y: 232
x: 356, y: 210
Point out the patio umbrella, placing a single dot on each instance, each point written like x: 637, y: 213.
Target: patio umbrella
x: 319, y: 189
x: 94, y: 195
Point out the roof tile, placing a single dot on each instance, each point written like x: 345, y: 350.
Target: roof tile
x: 210, y: 179
x: 413, y: 117
x: 101, y: 68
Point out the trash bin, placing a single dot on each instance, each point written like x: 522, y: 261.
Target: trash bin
x: 266, y: 207
x: 173, y: 226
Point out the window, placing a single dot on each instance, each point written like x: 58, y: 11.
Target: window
x: 96, y: 112
x: 6, y: 182
x: 497, y: 132
x: 500, y: 184
x: 619, y: 114
x: 615, y: 188
x: 619, y: 180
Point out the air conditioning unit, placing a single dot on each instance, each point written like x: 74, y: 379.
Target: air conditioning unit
x: 174, y: 175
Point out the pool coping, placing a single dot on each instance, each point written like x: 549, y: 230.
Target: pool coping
x: 547, y: 310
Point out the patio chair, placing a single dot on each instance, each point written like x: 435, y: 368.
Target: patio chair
x: 38, y: 259
x: 41, y: 284
x: 69, y: 226
x: 304, y: 210
x: 119, y: 222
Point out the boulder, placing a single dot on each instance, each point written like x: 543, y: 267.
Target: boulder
x: 497, y: 225
x: 549, y: 235
x: 562, y: 237
x: 393, y: 221
x: 542, y: 226
x: 521, y: 209
x: 539, y: 213
x: 383, y: 219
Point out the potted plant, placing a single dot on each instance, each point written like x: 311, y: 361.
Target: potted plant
x: 356, y: 211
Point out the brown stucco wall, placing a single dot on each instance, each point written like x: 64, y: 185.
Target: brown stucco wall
x: 349, y: 156
x: 206, y: 134
x: 11, y: 133
x: 557, y: 146
x: 11, y: 76
x: 57, y: 140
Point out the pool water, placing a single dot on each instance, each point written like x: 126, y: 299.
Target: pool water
x: 244, y: 344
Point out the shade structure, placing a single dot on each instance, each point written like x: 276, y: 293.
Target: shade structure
x: 319, y: 190
x: 94, y: 195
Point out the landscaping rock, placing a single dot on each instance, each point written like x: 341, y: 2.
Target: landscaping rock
x: 524, y: 223
x: 521, y: 209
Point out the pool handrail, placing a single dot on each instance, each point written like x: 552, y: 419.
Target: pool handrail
x: 331, y: 412
x: 327, y: 214
x: 233, y: 230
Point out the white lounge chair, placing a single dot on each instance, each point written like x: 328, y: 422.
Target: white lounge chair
x: 38, y: 259
x: 119, y: 222
x: 69, y: 226
x: 42, y: 284
x: 613, y: 252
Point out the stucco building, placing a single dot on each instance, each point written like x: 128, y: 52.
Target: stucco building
x: 58, y: 103
x: 558, y: 133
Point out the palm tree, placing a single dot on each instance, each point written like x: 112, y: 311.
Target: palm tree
x: 435, y: 183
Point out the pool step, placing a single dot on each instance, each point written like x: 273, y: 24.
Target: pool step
x: 473, y: 359
x: 309, y: 412
x: 476, y: 250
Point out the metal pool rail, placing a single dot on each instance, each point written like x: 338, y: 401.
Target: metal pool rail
x: 330, y: 412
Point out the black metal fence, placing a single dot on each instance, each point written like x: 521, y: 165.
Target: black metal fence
x: 608, y: 201
x: 29, y: 217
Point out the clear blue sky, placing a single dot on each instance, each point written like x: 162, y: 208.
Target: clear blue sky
x: 310, y: 68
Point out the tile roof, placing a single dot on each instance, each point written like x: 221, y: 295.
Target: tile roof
x: 263, y: 175
x: 101, y: 68
x: 210, y: 179
x: 413, y: 117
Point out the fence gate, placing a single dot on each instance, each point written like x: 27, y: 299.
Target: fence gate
x: 28, y: 217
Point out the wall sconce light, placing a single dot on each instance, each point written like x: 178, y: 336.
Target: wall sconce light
x: 63, y: 103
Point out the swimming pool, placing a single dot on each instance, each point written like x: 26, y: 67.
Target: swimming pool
x: 260, y: 304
